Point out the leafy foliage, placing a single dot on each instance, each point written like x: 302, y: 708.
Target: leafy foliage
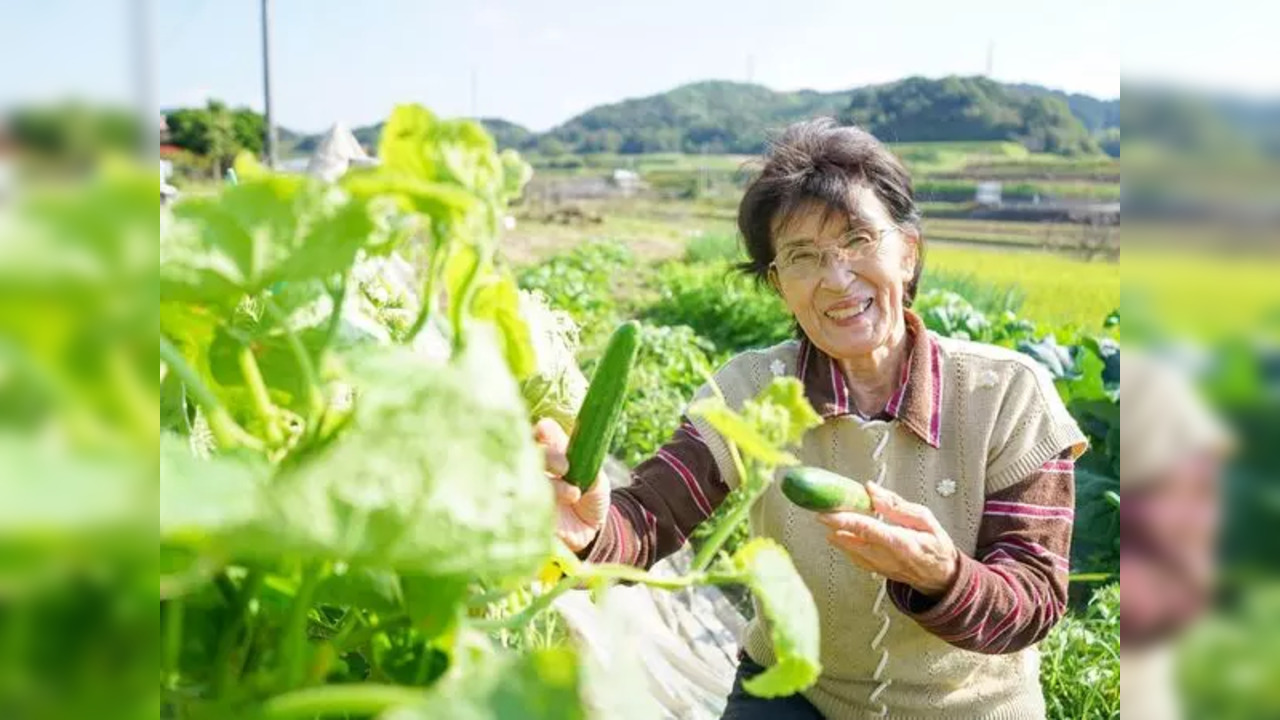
x: 967, y: 108
x: 792, y: 617
x: 580, y: 283
x: 721, y: 306
x: 353, y: 516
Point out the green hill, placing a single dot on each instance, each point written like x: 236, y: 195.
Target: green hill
x: 717, y: 116
x: 966, y: 109
x: 728, y: 117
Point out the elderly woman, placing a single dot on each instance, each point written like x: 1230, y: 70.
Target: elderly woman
x: 932, y: 608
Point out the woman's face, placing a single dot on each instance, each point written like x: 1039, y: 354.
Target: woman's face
x: 848, y: 307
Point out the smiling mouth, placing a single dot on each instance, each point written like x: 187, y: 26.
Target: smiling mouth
x: 849, y: 311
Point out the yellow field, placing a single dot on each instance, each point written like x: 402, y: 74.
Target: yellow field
x: 1059, y: 289
x: 1204, y: 294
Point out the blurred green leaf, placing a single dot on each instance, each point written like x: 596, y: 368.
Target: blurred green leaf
x: 540, y: 685
x: 436, y: 473
x: 791, y: 615
x: 268, y: 230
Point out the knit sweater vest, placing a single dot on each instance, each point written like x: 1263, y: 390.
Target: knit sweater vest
x: 1001, y: 419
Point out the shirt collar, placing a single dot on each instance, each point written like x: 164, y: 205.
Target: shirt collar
x: 915, y: 403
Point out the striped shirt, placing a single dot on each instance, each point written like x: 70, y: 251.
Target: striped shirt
x: 1004, y: 598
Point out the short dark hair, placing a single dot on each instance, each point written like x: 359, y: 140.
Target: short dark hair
x: 822, y: 161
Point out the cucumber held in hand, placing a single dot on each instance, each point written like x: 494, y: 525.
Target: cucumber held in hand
x: 813, y: 488
x: 602, y: 407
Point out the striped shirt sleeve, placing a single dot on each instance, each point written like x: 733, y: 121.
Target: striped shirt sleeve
x: 670, y: 494
x: 1014, y: 590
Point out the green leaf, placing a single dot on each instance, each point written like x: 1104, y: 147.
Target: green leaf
x: 372, y: 589
x: 272, y: 229
x: 797, y: 416
x: 778, y: 417
x: 498, y: 301
x: 791, y: 614
x: 435, y: 473
x: 437, y: 200
x: 738, y: 430
x: 434, y: 603
x: 202, y: 501
x: 541, y: 685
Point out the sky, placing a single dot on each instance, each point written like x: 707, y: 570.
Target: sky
x: 540, y: 63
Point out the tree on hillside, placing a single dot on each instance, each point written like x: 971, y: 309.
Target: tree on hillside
x: 967, y: 108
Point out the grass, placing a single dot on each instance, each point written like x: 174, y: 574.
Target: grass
x: 1080, y: 661
x: 1057, y: 290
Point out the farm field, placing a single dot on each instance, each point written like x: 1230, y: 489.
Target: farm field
x: 1056, y: 288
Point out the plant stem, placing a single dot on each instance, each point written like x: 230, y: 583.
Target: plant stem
x: 310, y: 378
x: 138, y: 404
x: 707, y: 553
x: 349, y: 622
x: 459, y: 305
x: 225, y: 429
x: 258, y: 393
x: 363, y: 699
x: 173, y: 611
x: 339, y: 297
x: 295, y: 630
x: 439, y: 254
x: 540, y: 603
x: 230, y: 637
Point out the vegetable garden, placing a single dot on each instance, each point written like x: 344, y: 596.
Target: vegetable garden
x: 353, y: 518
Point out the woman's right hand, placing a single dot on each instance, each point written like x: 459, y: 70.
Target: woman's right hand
x: 579, y: 515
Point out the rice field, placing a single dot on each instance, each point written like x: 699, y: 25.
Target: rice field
x: 1058, y: 290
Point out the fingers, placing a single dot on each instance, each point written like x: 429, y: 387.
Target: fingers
x: 557, y: 463
x: 864, y: 528
x: 599, y: 487
x: 566, y: 494
x: 547, y: 432
x: 899, y: 511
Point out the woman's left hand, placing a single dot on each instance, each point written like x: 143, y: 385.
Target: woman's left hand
x: 908, y: 545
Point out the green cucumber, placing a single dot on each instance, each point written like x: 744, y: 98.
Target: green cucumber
x: 602, y: 407
x: 813, y: 488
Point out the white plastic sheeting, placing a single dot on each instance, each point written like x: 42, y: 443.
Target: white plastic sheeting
x: 685, y: 642
x: 337, y: 152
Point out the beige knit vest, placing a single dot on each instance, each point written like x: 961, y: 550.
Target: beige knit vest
x: 1001, y: 419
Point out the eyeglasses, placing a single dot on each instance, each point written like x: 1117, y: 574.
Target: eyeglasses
x: 807, y: 260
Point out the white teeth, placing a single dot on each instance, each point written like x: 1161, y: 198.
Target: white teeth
x: 845, y: 313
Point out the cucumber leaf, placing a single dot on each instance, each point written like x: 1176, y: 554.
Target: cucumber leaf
x: 436, y: 472
x: 253, y: 235
x: 778, y: 417
x: 791, y: 615
x: 203, y: 500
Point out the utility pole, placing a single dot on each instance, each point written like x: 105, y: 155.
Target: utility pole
x: 270, y: 139
x: 144, y: 57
